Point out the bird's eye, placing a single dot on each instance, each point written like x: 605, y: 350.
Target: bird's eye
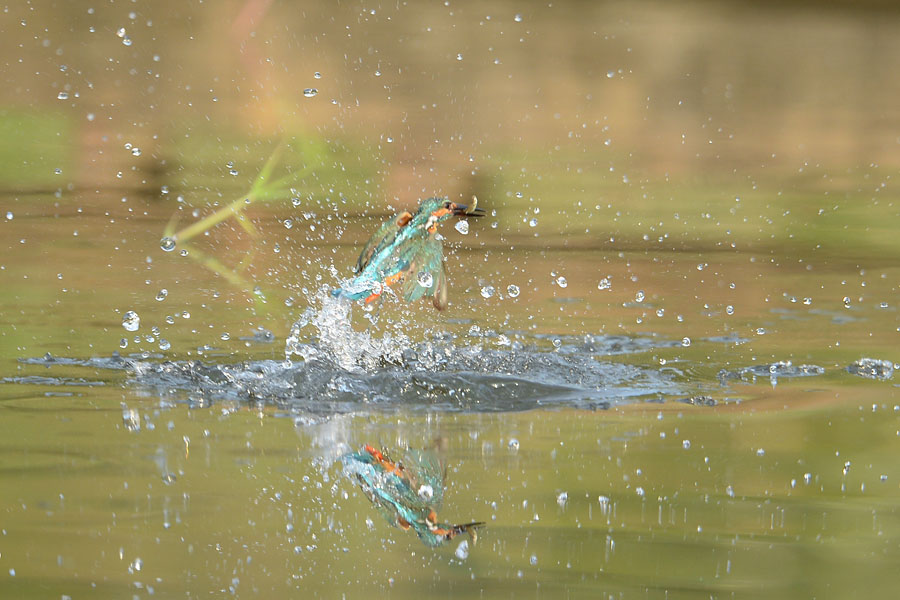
x: 447, y: 204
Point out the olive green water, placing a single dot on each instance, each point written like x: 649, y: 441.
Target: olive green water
x: 714, y: 184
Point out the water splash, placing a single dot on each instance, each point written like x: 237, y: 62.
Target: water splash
x: 336, y: 340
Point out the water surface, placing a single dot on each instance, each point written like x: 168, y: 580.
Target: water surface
x: 667, y: 366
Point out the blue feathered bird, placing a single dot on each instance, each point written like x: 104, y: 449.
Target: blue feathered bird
x: 405, y: 251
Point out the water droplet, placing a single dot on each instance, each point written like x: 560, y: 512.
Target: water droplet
x: 426, y: 492
x: 164, y: 344
x: 729, y: 310
x: 288, y: 223
x: 660, y: 312
x: 127, y: 41
x: 63, y: 96
x: 513, y: 291
x: 533, y: 222
x: 131, y: 321
x: 310, y: 92
x: 686, y: 341
x: 513, y: 444
x: 639, y: 297
x: 517, y: 18
x: 760, y: 452
x: 425, y: 279
x: 462, y: 227
x: 487, y: 291
x: 533, y: 559
x: 137, y: 564
x: 225, y: 336
x: 562, y: 281
x: 846, y: 302
x: 562, y: 498
x: 462, y: 551
x: 121, y: 32
x: 167, y: 244
x: 135, y: 151
x: 686, y: 444
x: 604, y: 284
x: 162, y: 295
x: 9, y: 216
x: 390, y: 140
x: 729, y: 491
x: 610, y: 74
x: 317, y: 75
x: 131, y: 418
x: 459, y: 56
x: 123, y: 343
x: 760, y: 331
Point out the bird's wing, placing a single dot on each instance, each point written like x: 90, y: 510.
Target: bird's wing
x: 381, y: 239
x: 424, y: 256
x: 429, y: 472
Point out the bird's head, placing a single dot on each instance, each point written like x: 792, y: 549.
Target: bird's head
x: 436, y: 210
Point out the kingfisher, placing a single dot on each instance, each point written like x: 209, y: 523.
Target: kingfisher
x: 406, y: 494
x: 406, y: 251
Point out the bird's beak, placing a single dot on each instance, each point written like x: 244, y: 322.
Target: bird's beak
x: 461, y: 210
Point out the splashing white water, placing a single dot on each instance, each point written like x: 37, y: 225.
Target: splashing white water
x: 336, y: 339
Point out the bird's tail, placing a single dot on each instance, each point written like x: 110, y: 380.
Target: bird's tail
x: 354, y: 290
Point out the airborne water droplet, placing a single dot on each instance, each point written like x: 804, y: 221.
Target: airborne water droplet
x: 162, y: 295
x: 131, y: 321
x: 487, y: 291
x: 310, y: 92
x: 513, y: 291
x: 462, y: 227
x: 425, y: 279
x: 462, y: 551
x: 562, y: 281
x: 167, y: 244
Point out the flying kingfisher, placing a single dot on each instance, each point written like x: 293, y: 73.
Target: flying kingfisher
x: 406, y: 251
x: 406, y: 494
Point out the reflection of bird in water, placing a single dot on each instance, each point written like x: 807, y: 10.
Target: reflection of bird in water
x: 405, y: 251
x: 406, y: 494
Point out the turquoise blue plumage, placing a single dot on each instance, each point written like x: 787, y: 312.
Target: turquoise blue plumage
x: 406, y: 251
x: 406, y: 493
